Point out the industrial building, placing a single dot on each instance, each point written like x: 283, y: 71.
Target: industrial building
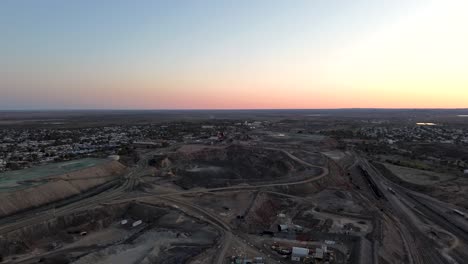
x: 283, y: 228
x: 298, y: 253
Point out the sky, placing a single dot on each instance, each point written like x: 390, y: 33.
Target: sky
x: 243, y: 54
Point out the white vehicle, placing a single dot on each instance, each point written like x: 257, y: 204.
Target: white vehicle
x: 137, y: 223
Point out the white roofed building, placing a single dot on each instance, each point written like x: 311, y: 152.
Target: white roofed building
x: 299, y: 253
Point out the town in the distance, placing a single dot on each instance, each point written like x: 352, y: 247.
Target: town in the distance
x: 234, y: 186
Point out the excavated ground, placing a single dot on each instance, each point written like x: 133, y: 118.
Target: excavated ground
x: 216, y: 167
x: 166, y: 235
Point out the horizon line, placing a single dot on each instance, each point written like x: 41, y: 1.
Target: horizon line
x: 227, y: 109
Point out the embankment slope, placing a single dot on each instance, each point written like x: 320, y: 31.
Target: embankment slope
x: 59, y: 187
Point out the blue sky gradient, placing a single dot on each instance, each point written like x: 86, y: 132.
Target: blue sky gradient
x: 175, y: 54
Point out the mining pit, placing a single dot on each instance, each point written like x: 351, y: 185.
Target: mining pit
x: 212, y: 167
x: 118, y: 233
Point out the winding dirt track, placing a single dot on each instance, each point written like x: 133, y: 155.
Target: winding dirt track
x: 130, y: 180
x: 228, y: 235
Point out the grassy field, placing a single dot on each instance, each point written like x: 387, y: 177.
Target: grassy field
x: 16, y: 179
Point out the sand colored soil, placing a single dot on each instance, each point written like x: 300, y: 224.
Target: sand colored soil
x: 59, y: 187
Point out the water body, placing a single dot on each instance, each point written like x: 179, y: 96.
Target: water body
x: 426, y: 124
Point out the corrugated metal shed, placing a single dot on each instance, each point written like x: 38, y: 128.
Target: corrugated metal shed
x: 300, y: 252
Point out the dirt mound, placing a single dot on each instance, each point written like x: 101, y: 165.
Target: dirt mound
x: 107, y: 169
x: 59, y: 187
x: 235, y: 164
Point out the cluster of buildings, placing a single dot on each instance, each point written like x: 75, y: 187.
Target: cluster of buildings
x: 416, y: 133
x: 26, y: 147
x: 434, y: 144
x: 22, y: 148
x: 305, y: 255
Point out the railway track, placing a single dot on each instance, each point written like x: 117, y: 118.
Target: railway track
x: 422, y: 249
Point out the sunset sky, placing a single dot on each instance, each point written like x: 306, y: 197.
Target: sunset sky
x: 233, y: 54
